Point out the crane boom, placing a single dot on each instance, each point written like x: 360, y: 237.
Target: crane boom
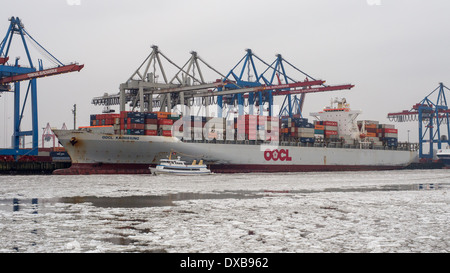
x: 3, y: 60
x: 263, y: 88
x: 42, y: 73
x: 314, y: 90
x: 308, y: 90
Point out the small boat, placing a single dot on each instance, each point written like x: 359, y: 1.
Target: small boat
x: 444, y: 156
x: 178, y: 167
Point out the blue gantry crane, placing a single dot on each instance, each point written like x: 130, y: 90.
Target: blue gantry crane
x: 262, y: 87
x: 11, y: 76
x: 432, y: 115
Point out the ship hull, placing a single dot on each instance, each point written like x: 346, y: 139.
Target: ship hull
x: 444, y: 157
x: 94, y: 153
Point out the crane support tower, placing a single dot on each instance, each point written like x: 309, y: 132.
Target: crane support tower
x: 11, y: 75
x: 432, y: 116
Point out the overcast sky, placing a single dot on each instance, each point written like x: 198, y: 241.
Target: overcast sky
x: 395, y: 52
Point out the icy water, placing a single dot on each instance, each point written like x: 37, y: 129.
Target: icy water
x: 385, y: 211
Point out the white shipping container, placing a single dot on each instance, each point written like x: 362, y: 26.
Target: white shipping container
x: 386, y: 126
x: 308, y: 135
x: 306, y: 130
x: 360, y: 122
x: 166, y: 127
x: 394, y: 135
x: 330, y: 128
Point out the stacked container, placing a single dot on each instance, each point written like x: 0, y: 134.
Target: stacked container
x: 371, y: 129
x: 146, y: 123
x: 230, y: 129
x: 285, y: 127
x: 268, y: 128
x: 330, y: 129
x: 151, y: 124
x: 165, y: 126
x: 193, y: 127
x: 244, y: 127
x: 297, y: 127
x: 370, y: 126
x: 388, y: 135
x: 132, y: 123
x: 216, y: 128
x: 247, y: 127
x: 105, y: 119
x: 319, y: 130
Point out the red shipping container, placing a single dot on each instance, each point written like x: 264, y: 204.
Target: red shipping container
x: 151, y: 121
x: 124, y: 114
x: 247, y: 118
x: 330, y: 133
x: 167, y: 133
x: 329, y: 123
x: 136, y: 126
x: 165, y: 121
x: 392, y: 131
x: 247, y: 122
x: 151, y: 132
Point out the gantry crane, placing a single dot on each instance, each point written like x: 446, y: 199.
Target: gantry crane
x: 431, y: 116
x: 14, y: 74
x: 261, y: 88
x: 188, y: 83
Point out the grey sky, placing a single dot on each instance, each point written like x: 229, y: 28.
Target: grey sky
x: 394, y: 51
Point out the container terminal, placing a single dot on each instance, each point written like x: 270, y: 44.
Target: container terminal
x: 163, y: 112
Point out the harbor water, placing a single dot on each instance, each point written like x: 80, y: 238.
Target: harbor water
x: 385, y: 211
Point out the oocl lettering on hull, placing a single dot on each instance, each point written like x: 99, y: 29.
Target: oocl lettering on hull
x: 275, y: 155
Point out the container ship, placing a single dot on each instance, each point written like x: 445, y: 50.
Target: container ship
x: 131, y: 142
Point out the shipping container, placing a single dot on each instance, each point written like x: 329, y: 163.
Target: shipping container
x: 307, y: 139
x: 151, y: 132
x: 330, y: 133
x: 135, y: 131
x: 151, y: 121
x: 150, y: 115
x: 329, y: 123
x: 166, y: 127
x: 150, y: 127
x: 165, y: 121
x: 390, y: 130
